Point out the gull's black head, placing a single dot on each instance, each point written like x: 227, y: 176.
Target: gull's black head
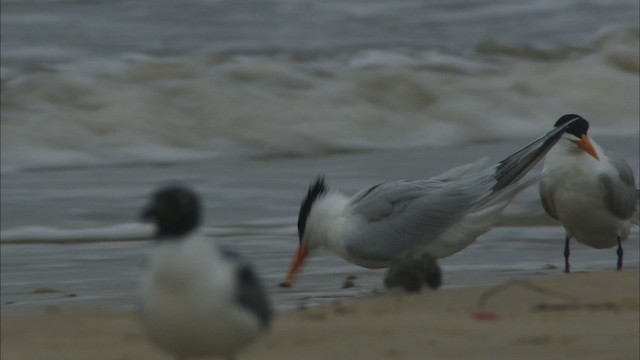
x: 174, y: 210
x: 316, y: 191
x: 578, y: 128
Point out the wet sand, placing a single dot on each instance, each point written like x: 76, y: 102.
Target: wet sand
x: 577, y: 316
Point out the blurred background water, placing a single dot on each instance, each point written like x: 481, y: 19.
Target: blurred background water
x: 103, y: 101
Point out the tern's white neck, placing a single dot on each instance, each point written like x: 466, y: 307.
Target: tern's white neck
x: 566, y: 156
x: 325, y: 222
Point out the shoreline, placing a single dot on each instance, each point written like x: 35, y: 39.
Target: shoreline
x: 569, y: 316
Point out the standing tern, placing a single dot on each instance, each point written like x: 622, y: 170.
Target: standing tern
x: 441, y: 215
x: 198, y: 299
x: 592, y: 194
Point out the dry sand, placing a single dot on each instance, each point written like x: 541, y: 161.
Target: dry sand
x: 577, y: 316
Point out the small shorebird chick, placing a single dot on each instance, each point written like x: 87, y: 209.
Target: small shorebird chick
x: 413, y: 270
x: 198, y: 299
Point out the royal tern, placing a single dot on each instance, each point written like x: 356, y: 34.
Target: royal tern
x: 591, y: 193
x: 198, y: 299
x: 441, y: 215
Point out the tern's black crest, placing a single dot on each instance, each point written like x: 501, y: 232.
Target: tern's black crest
x: 577, y: 128
x: 175, y: 210
x: 316, y: 191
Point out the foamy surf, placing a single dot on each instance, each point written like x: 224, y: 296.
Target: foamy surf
x: 134, y: 232
x: 167, y: 109
x: 43, y: 234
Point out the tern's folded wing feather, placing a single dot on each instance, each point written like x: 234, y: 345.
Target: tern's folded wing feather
x: 619, y: 188
x: 546, y: 198
x: 393, y: 217
x: 462, y: 170
x: 396, y: 216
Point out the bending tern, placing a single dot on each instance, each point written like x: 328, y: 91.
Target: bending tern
x: 198, y: 299
x: 441, y: 215
x: 592, y: 194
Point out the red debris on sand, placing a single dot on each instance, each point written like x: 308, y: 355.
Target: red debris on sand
x: 485, y: 316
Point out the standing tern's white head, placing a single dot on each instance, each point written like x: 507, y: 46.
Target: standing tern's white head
x: 198, y: 299
x: 592, y: 194
x: 441, y: 215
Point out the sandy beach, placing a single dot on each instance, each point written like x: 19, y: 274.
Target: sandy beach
x: 577, y: 316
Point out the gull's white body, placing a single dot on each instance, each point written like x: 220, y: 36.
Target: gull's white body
x: 593, y: 199
x: 188, y: 305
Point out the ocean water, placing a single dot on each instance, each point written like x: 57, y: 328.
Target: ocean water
x: 246, y: 101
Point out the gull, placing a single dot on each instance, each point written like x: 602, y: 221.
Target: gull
x: 441, y: 215
x: 197, y: 298
x: 591, y: 193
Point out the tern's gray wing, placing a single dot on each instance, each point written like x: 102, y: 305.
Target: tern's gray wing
x: 409, y: 213
x: 404, y: 190
x: 402, y: 214
x: 461, y: 170
x: 249, y: 291
x: 546, y: 198
x: 620, y: 191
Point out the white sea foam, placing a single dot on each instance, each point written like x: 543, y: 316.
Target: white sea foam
x: 49, y: 234
x: 136, y: 231
x: 142, y: 109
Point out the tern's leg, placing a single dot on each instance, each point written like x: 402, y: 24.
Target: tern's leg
x: 566, y: 255
x: 619, y: 252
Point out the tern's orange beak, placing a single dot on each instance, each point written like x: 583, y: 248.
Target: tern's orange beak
x: 298, y: 260
x: 585, y: 144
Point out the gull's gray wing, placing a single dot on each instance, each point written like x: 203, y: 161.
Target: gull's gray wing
x: 250, y: 293
x: 620, y: 191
